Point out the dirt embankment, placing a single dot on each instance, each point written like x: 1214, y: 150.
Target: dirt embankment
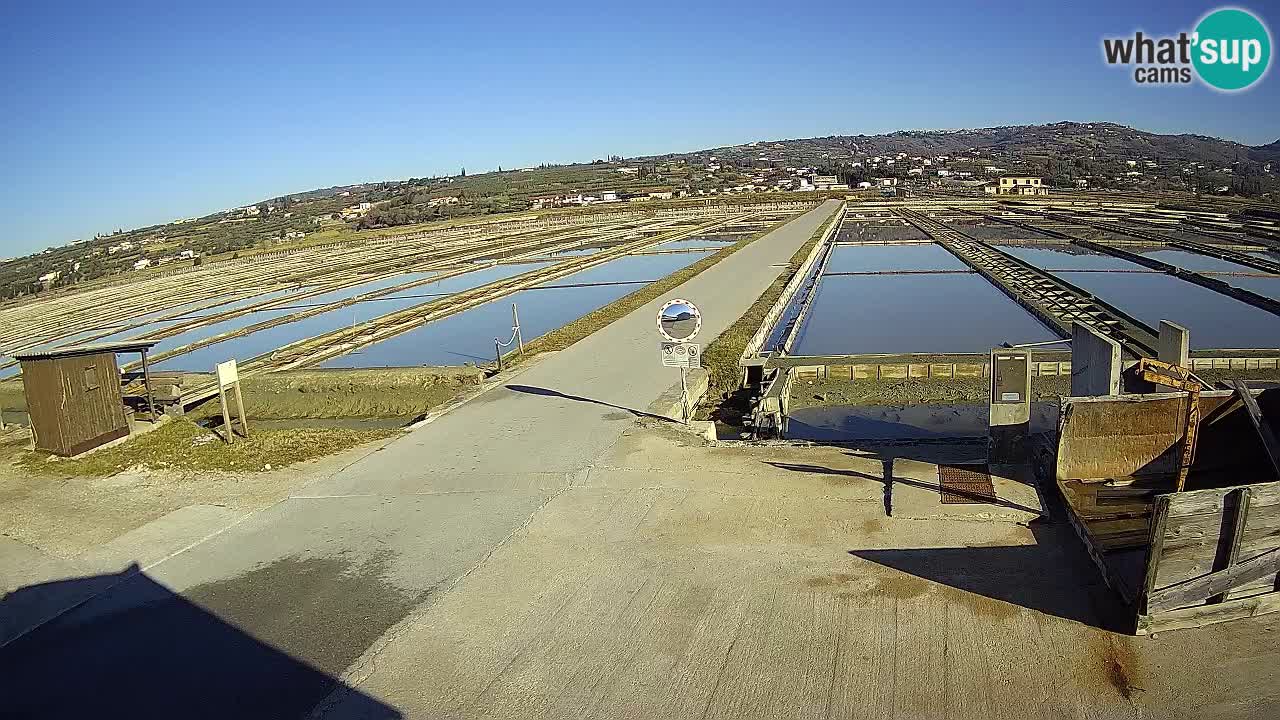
x: 826, y: 393
x: 364, y: 393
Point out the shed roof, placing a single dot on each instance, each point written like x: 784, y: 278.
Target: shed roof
x: 93, y: 348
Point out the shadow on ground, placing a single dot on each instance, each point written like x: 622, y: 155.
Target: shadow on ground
x: 1052, y: 576
x: 547, y: 392
x: 144, y: 651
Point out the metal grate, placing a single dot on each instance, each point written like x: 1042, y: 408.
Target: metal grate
x: 966, y: 484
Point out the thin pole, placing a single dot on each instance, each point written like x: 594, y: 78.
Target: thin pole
x: 497, y: 350
x: 684, y: 398
x: 146, y: 380
x: 226, y: 415
x: 244, y: 422
x: 515, y: 320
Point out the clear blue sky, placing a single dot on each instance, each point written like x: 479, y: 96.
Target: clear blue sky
x: 126, y: 114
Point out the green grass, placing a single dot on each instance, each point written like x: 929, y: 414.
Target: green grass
x: 183, y: 445
x: 725, y: 400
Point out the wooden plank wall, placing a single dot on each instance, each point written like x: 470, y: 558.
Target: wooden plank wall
x: 1124, y: 435
x: 74, y: 401
x: 1214, y: 556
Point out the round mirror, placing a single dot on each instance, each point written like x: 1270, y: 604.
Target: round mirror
x: 679, y: 320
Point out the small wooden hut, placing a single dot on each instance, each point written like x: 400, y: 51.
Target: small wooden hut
x: 74, y: 396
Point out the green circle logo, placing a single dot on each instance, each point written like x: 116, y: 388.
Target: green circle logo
x: 1232, y: 49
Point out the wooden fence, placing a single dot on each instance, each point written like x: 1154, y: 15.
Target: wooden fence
x: 1214, y: 556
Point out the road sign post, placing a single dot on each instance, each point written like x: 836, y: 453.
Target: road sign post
x: 679, y: 322
x: 229, y: 379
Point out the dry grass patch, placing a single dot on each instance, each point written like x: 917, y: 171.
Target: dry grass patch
x: 183, y: 445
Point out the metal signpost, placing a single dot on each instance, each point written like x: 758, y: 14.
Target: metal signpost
x: 679, y: 322
x: 229, y: 378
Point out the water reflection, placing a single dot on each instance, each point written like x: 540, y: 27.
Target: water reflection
x: 468, y: 336
x: 1216, y: 321
x: 912, y: 314
x: 264, y: 341
x: 892, y: 258
x: 1068, y: 257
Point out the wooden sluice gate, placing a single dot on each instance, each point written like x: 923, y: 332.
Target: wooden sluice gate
x: 1206, y: 554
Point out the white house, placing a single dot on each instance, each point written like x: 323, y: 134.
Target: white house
x: 143, y: 263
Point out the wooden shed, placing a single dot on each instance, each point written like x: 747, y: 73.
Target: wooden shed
x: 74, y: 396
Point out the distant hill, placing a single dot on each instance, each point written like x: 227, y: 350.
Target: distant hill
x: 1265, y: 153
x: 1101, y: 140
x: 1102, y: 154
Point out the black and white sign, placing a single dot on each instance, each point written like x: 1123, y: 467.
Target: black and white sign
x: 681, y: 355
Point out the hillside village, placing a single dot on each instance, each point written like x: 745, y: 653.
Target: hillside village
x: 1076, y: 157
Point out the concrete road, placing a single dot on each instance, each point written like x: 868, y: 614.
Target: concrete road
x: 262, y: 620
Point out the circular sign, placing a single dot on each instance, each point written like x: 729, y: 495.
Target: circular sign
x: 679, y: 320
x: 1233, y: 49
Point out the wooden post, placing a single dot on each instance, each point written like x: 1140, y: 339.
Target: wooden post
x: 244, y: 420
x: 1260, y: 424
x: 497, y: 350
x: 1238, y: 516
x: 146, y: 380
x: 1159, y: 519
x: 226, y: 415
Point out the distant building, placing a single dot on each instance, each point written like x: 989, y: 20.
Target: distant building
x: 824, y: 182
x: 143, y: 263
x: 864, y: 185
x: 1016, y: 185
x: 885, y: 182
